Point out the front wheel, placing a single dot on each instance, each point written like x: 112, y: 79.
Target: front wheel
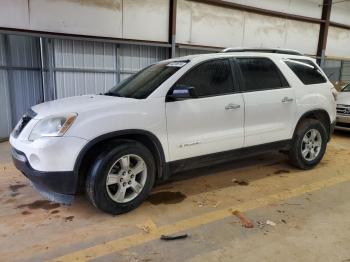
x: 121, y: 178
x: 309, y: 144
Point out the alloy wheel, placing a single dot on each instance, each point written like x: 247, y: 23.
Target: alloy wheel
x: 126, y: 178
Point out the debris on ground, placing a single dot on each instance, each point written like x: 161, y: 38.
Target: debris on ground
x: 147, y: 227
x: 283, y: 221
x: 200, y: 203
x: 241, y: 182
x: 173, y: 237
x: 216, y: 204
x: 291, y: 204
x: 144, y: 228
x: 244, y: 221
x: 270, y: 223
x: 260, y: 224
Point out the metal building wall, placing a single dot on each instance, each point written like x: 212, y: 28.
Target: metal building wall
x: 5, y: 110
x: 135, y: 57
x: 83, y: 67
x: 24, y: 74
x: 345, y: 74
x: 20, y: 79
x: 186, y: 51
x: 332, y: 69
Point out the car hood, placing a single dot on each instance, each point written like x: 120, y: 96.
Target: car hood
x: 343, y: 98
x: 78, y: 104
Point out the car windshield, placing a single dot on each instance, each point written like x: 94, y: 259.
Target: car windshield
x: 346, y: 88
x: 143, y: 83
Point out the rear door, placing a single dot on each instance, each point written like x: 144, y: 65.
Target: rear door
x: 270, y: 105
x: 211, y: 123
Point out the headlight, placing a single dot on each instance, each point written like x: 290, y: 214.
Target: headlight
x: 52, y: 126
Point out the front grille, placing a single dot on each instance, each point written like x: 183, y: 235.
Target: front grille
x: 23, y: 122
x: 343, y: 109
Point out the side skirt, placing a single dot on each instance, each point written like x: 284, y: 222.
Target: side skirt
x: 222, y: 157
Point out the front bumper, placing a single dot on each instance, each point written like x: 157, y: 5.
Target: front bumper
x: 343, y: 122
x: 56, y: 186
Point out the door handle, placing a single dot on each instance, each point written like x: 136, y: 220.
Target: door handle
x: 287, y: 100
x: 232, y: 107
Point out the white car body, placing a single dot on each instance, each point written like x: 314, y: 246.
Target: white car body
x: 343, y: 111
x: 184, y: 129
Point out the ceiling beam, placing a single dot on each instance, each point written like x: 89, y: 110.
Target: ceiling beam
x: 260, y: 11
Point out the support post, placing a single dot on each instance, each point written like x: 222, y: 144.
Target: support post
x: 172, y: 27
x: 322, y: 39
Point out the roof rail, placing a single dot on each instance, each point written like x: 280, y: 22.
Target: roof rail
x: 262, y: 50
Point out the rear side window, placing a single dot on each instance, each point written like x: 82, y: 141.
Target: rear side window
x: 260, y: 74
x: 210, y: 78
x: 306, y: 71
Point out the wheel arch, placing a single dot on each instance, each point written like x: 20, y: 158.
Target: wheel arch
x: 318, y: 114
x: 146, y: 138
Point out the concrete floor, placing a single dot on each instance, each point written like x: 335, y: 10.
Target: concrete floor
x: 310, y: 209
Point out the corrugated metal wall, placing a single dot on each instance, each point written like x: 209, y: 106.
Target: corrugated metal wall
x: 135, y: 57
x: 332, y: 69
x: 93, y: 67
x: 24, y: 74
x: 84, y: 67
x: 185, y: 52
x: 345, y: 74
x: 20, y: 79
x: 5, y: 110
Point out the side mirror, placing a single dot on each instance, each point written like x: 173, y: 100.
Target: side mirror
x: 181, y: 93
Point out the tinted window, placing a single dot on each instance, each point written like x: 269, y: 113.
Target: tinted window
x: 209, y: 78
x: 143, y: 83
x: 306, y: 71
x: 260, y: 74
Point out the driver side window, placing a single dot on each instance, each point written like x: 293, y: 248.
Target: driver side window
x: 209, y: 78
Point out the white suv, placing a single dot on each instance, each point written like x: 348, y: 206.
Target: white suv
x: 176, y: 114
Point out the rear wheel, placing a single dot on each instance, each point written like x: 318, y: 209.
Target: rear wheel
x: 309, y: 144
x: 121, y: 178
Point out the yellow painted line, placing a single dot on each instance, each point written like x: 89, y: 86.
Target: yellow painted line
x: 190, y: 223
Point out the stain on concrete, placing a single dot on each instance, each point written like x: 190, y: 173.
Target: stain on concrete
x: 15, y: 188
x: 166, y: 198
x: 109, y: 4
x: 274, y: 163
x: 281, y: 171
x: 8, y: 201
x: 69, y: 219
x: 40, y: 204
x: 242, y: 182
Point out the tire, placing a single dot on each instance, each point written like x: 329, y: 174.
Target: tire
x: 114, y: 159
x: 307, y: 129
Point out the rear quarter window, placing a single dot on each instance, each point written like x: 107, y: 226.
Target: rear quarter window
x: 260, y: 74
x: 306, y: 71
